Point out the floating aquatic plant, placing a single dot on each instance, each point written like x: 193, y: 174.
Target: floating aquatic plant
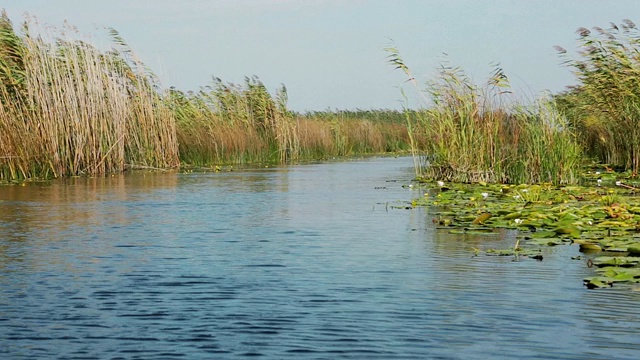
x: 600, y: 220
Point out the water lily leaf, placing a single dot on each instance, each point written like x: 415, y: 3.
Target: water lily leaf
x: 634, y: 210
x: 549, y: 241
x: 614, y: 271
x: 543, y: 234
x: 502, y: 224
x: 531, y: 253
x: 613, y: 224
x: 481, y: 218
x: 479, y: 232
x: 512, y: 216
x: 613, y: 248
x: 598, y: 215
x: 570, y: 231
x: 597, y: 282
x: 568, y: 216
x: 619, y: 261
x: 590, y: 247
x: 500, y: 252
x: 634, y: 250
x: 623, y: 277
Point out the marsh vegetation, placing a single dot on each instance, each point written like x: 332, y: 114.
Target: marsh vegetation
x: 69, y: 108
x: 561, y: 170
x: 469, y: 133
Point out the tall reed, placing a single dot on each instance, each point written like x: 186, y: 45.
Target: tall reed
x: 470, y: 133
x: 224, y: 123
x: 605, y: 105
x: 243, y: 123
x: 67, y: 108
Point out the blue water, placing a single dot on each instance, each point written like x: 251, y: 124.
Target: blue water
x: 315, y: 261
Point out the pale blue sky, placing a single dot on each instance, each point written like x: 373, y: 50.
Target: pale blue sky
x: 329, y: 52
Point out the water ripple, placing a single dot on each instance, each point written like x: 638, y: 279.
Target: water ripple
x: 282, y: 263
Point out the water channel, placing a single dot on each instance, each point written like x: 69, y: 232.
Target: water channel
x: 312, y: 261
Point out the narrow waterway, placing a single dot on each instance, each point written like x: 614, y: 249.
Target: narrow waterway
x: 310, y: 261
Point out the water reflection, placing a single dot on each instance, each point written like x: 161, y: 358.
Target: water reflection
x: 288, y: 262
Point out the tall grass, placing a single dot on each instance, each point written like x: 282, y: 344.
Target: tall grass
x: 605, y: 105
x: 342, y: 133
x: 232, y: 123
x: 228, y: 123
x: 469, y: 133
x: 67, y: 108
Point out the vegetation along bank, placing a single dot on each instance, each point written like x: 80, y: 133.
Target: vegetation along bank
x: 68, y: 108
x: 561, y: 170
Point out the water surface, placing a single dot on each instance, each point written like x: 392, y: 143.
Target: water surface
x: 309, y: 261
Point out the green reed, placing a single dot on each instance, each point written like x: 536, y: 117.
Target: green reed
x: 471, y: 133
x: 604, y: 106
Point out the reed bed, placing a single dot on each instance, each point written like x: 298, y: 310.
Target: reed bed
x: 471, y: 133
x: 68, y: 108
x: 322, y: 139
x: 243, y: 123
x: 217, y: 126
x: 604, y: 107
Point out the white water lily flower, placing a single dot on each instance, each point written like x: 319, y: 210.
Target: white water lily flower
x: 599, y: 182
x: 517, y: 197
x: 440, y: 183
x: 590, y: 222
x: 618, y: 183
x: 410, y: 185
x: 525, y: 190
x: 485, y: 195
x: 597, y: 172
x: 518, y: 221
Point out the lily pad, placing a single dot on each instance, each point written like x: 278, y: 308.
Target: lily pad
x: 590, y: 247
x: 481, y: 218
x: 616, y: 261
x: 634, y: 250
x: 597, y: 282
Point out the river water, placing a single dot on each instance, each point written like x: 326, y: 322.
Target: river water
x: 313, y: 261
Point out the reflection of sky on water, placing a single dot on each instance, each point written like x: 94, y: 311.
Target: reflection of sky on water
x: 317, y: 247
